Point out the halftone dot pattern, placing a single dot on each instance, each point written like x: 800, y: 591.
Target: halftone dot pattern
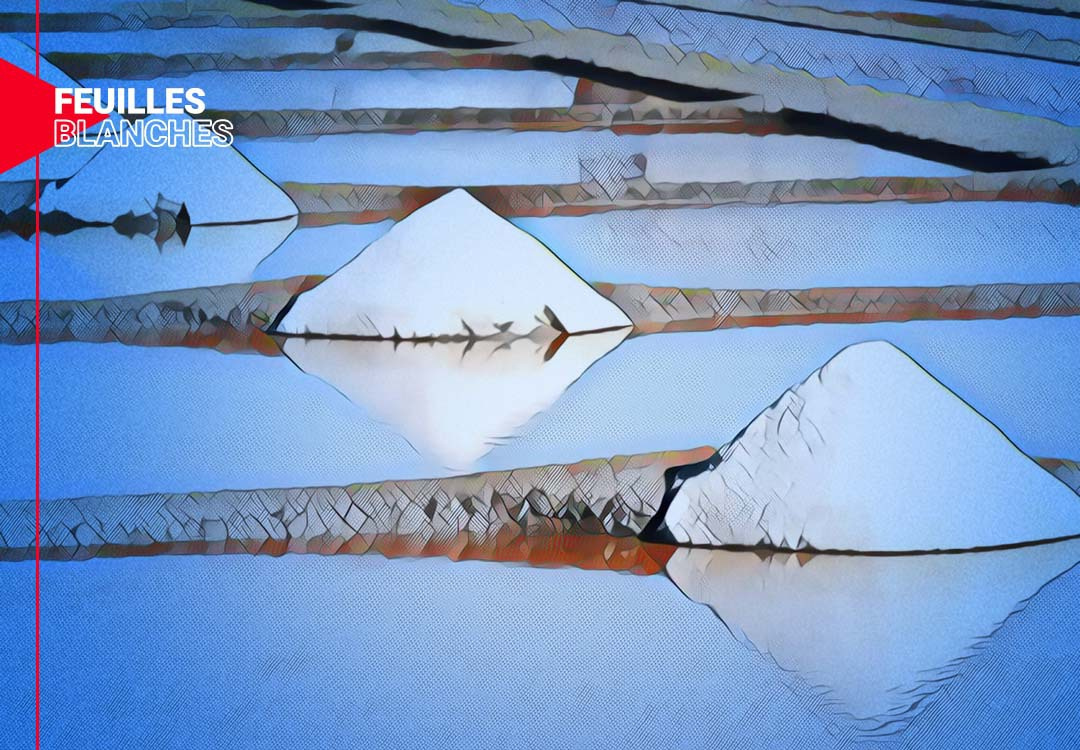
x: 17, y: 650
x: 803, y: 246
x: 932, y: 72
x: 684, y: 390
x: 1015, y: 371
x: 313, y: 652
x: 187, y: 420
x: 546, y: 158
x: 1019, y: 690
x: 319, y: 251
x: 361, y: 89
x: 155, y: 420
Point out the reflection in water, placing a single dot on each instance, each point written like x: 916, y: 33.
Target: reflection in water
x: 877, y: 637
x: 453, y: 401
x: 98, y: 262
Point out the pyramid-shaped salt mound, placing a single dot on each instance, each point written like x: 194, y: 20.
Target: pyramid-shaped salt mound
x: 452, y: 267
x: 871, y: 453
x: 216, y: 185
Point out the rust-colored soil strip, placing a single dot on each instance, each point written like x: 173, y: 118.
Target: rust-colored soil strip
x: 233, y: 317
x: 586, y: 514
x: 672, y: 310
x: 621, y: 120
x: 229, y: 318
x: 564, y: 550
x: 323, y: 204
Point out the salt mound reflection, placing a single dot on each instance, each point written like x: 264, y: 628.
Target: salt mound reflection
x: 878, y: 637
x: 453, y: 401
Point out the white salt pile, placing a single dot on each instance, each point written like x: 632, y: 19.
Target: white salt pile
x: 216, y: 184
x: 453, y: 267
x: 871, y: 453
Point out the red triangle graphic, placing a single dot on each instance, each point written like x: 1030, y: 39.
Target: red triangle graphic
x: 27, y: 124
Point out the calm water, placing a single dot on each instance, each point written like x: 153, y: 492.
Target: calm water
x: 122, y: 419
x: 310, y: 652
x: 728, y: 247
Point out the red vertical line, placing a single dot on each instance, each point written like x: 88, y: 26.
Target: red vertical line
x: 37, y: 404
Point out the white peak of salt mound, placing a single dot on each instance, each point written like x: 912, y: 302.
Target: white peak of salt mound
x: 451, y: 267
x: 871, y: 453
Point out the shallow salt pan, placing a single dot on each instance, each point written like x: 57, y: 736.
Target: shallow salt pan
x: 923, y: 70
x: 871, y: 453
x: 651, y: 393
x: 360, y: 89
x: 246, y: 43
x: 878, y: 244
x: 535, y: 157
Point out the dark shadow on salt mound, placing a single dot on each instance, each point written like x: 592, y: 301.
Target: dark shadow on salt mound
x: 870, y: 453
x: 451, y: 268
x: 876, y: 637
